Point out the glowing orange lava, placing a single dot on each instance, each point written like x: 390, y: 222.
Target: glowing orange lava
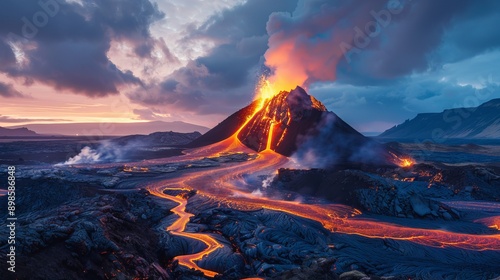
x: 135, y: 169
x: 491, y: 222
x: 264, y: 92
x: 178, y: 227
x: 265, y: 89
x: 220, y: 184
x: 270, y: 136
x: 402, y: 161
x: 407, y: 162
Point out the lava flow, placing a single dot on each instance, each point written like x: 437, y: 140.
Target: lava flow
x: 220, y: 184
x: 178, y: 227
x: 264, y: 92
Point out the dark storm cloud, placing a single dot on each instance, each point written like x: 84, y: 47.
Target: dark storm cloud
x: 225, y: 77
x: 476, y: 31
x: 79, y: 66
x: 243, y: 21
x: 412, y: 38
x: 358, y: 43
x: 66, y: 44
x: 424, y: 36
x: 7, y: 90
x: 181, y: 89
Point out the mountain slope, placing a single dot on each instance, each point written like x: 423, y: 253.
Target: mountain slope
x: 281, y: 120
x: 295, y: 123
x: 475, y: 122
x: 114, y: 129
x: 16, y: 132
x: 226, y: 128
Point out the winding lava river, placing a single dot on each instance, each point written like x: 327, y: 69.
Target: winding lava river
x: 219, y: 183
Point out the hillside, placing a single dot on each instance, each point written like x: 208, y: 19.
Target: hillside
x: 297, y: 124
x: 480, y: 122
x: 16, y: 132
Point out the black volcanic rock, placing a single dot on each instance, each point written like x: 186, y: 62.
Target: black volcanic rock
x: 281, y: 120
x: 292, y: 113
x: 99, y: 236
x: 474, y: 122
x: 226, y: 128
x: 16, y: 132
x: 296, y: 123
x: 387, y: 191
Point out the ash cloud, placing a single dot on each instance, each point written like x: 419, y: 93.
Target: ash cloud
x: 304, y: 46
x: 420, y: 39
x: 368, y: 43
x: 405, y: 45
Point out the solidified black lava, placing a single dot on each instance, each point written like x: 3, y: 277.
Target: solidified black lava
x: 295, y: 122
x: 414, y: 192
x: 100, y: 236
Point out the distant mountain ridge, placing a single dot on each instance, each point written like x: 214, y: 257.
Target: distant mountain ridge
x: 113, y: 129
x: 168, y: 138
x: 16, y: 132
x: 480, y: 122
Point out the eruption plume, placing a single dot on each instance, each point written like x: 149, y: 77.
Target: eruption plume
x: 306, y: 46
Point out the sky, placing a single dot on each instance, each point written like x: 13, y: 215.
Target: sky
x: 374, y: 63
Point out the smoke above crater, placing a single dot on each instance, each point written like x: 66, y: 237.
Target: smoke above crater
x: 304, y: 47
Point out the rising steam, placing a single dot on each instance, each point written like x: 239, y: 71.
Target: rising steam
x: 330, y: 144
x: 104, y: 153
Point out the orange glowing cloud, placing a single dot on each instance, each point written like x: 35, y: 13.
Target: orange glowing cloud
x: 306, y: 46
x: 298, y: 63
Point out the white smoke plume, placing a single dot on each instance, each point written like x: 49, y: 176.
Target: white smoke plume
x: 105, y: 152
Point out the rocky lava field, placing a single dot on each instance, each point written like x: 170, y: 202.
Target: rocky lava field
x: 249, y: 206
